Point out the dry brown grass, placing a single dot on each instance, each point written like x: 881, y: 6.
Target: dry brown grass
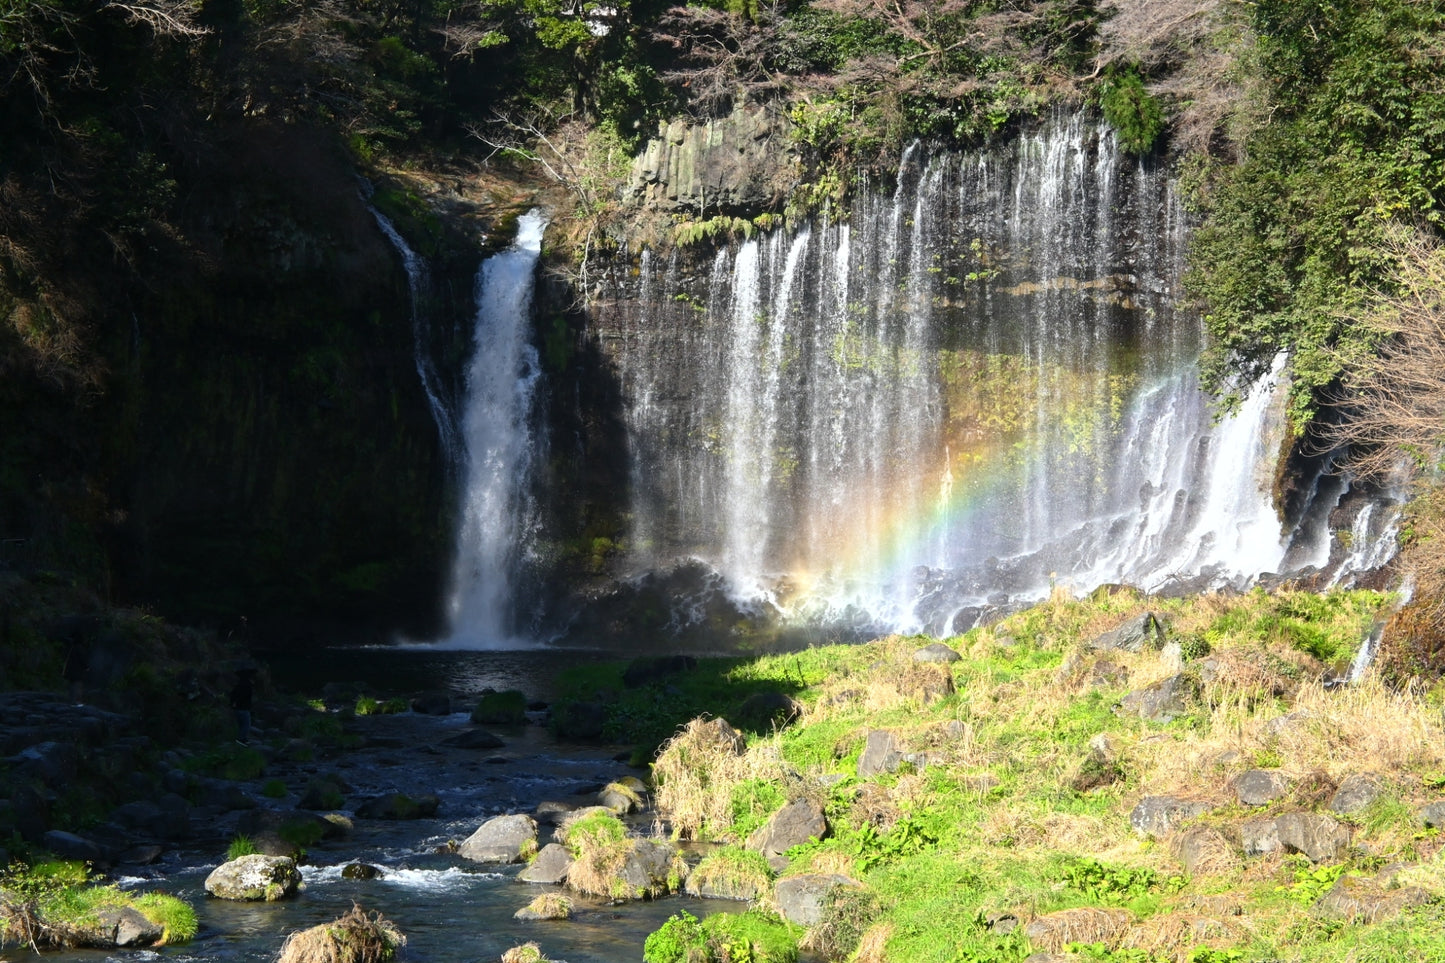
x: 695, y: 775
x: 599, y: 850
x: 872, y: 947
x: 355, y: 937
x: 1086, y: 924
x: 1175, y: 935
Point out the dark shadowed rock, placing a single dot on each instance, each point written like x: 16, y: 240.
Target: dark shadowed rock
x: 1144, y: 631
x: 432, y: 704
x: 796, y: 823
x: 500, y: 839
x: 70, y: 846
x: 474, y: 739
x: 764, y: 711
x: 361, y: 871
x: 1259, y: 787
x: 550, y: 866
x: 1158, y: 816
x: 718, y: 733
x: 1357, y: 792
x: 648, y: 669
x: 1320, y: 837
x: 800, y: 899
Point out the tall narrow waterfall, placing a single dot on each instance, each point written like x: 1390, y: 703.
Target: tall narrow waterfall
x: 500, y: 445
x: 975, y: 386
x: 416, y: 278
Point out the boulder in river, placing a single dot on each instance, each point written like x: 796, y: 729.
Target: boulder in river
x: 500, y: 839
x: 255, y: 878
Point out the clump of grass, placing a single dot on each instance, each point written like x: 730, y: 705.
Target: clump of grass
x: 241, y: 846
x: 722, y: 938
x: 552, y: 906
x: 274, y: 789
x: 599, y: 845
x: 174, y: 915
x: 507, y: 708
x: 697, y: 774
x: 732, y: 872
x: 525, y: 953
x: 356, y: 937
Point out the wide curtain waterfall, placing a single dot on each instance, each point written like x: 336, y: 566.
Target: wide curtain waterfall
x: 977, y: 384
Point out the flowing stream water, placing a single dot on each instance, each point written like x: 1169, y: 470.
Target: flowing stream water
x: 451, y: 910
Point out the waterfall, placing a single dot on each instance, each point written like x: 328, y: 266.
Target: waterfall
x: 416, y: 279
x: 971, y: 389
x: 501, y: 381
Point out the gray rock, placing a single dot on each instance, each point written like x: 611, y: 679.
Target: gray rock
x: 550, y: 866
x: 255, y: 878
x: 1433, y: 815
x: 1259, y: 787
x: 936, y: 652
x: 1259, y: 836
x: 500, y: 839
x: 653, y: 868
x: 798, y: 822
x: 800, y: 899
x: 620, y: 798
x: 1165, y: 700
x: 880, y: 754
x: 125, y: 926
x: 1362, y: 900
x: 1356, y: 792
x: 1320, y: 837
x: 1158, y: 816
x: 70, y: 846
x: 1144, y: 631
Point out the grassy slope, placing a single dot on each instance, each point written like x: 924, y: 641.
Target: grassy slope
x: 991, y: 824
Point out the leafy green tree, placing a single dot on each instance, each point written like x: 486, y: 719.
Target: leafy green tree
x: 1295, y: 238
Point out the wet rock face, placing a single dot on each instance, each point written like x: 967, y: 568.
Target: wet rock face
x: 255, y: 878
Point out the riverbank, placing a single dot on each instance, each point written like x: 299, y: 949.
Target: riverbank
x: 1117, y: 778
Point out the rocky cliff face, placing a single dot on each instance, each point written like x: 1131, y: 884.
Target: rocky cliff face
x: 742, y: 162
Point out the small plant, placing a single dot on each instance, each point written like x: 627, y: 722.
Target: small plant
x: 175, y: 916
x: 1312, y: 882
x: 354, y: 938
x: 241, y: 846
x: 274, y: 789
x: 501, y: 709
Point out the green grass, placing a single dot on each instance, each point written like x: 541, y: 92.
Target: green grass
x: 241, y: 846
